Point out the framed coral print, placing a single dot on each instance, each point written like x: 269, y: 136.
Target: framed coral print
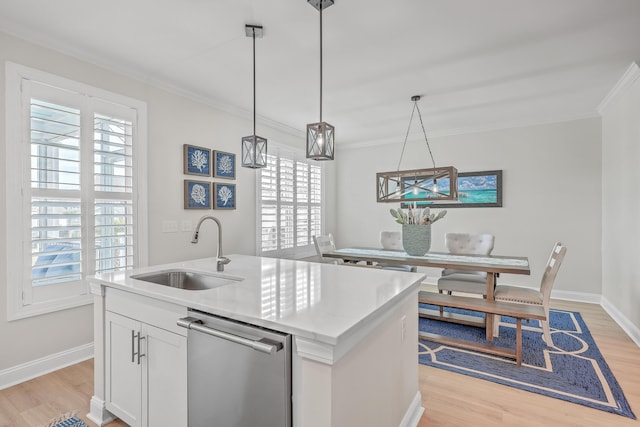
x: 224, y: 196
x: 197, y: 194
x: 197, y: 160
x: 225, y: 165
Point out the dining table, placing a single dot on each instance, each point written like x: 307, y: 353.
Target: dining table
x: 493, y: 265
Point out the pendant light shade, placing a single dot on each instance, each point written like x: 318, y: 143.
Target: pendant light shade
x: 320, y: 136
x: 436, y: 184
x: 254, y: 147
x: 320, y: 141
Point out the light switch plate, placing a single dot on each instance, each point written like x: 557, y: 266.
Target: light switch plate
x: 169, y: 226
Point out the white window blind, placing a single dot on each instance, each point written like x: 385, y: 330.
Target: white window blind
x: 289, y: 208
x: 79, y: 189
x: 113, y: 185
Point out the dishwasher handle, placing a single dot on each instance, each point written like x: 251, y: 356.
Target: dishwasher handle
x: 260, y: 345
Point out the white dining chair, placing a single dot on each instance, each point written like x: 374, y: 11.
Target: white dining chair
x: 323, y: 244
x: 534, y: 296
x: 467, y: 281
x: 392, y: 241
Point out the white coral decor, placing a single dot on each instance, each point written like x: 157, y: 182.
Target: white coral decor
x: 225, y: 164
x: 199, y: 194
x: 199, y: 159
x: 224, y: 194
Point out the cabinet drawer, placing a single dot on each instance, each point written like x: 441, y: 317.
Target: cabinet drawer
x: 161, y: 314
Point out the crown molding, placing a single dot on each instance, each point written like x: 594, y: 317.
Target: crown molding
x: 471, y: 130
x: 628, y: 78
x: 132, y: 73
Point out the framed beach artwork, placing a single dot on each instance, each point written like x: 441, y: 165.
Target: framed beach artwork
x: 475, y: 190
x: 197, y: 194
x: 224, y: 196
x: 225, y: 165
x: 197, y: 160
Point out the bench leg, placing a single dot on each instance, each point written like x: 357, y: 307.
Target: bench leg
x: 519, y: 342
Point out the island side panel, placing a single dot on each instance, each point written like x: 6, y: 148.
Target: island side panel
x: 97, y: 406
x: 374, y: 384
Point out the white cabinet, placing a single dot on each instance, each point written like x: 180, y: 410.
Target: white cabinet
x: 145, y: 366
x: 124, y: 375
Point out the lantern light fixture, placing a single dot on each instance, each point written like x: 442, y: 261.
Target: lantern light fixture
x: 254, y: 147
x: 436, y: 184
x: 320, y: 136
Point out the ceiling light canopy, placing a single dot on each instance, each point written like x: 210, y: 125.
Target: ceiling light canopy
x: 254, y: 147
x: 436, y: 184
x: 320, y: 136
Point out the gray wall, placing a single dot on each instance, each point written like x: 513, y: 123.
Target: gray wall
x: 621, y: 203
x: 551, y: 192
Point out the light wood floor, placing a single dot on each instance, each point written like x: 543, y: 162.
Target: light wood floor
x: 449, y: 399
x: 453, y: 399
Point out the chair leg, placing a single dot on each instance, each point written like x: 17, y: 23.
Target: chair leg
x: 496, y: 324
x: 546, y: 332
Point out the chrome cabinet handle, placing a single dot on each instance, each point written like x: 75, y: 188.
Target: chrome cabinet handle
x: 133, y: 346
x: 196, y: 325
x: 136, y: 337
x: 140, y: 353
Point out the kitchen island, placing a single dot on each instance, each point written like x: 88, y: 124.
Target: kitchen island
x: 354, y: 339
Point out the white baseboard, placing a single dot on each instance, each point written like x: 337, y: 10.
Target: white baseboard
x: 577, y: 296
x: 98, y: 412
x: 626, y: 325
x: 414, y: 412
x: 35, y: 368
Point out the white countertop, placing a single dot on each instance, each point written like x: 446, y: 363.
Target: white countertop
x: 321, y: 302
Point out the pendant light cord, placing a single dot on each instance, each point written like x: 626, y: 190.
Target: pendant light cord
x: 321, y: 61
x: 424, y: 132
x: 254, y: 81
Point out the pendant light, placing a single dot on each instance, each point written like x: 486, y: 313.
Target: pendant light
x: 320, y: 136
x: 254, y: 147
x: 436, y: 184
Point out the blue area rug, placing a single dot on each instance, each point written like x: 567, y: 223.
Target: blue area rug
x: 70, y: 422
x: 574, y: 370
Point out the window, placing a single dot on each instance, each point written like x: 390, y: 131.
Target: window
x: 74, y: 160
x: 289, y: 208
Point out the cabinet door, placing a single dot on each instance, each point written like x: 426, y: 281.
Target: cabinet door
x: 164, y: 378
x: 123, y: 376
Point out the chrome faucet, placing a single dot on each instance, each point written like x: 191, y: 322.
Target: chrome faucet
x: 220, y: 260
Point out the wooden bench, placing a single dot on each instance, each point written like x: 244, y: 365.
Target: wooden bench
x: 515, y: 310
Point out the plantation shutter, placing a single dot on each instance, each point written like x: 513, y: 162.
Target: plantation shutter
x: 113, y: 185
x: 290, y: 211
x: 81, y: 191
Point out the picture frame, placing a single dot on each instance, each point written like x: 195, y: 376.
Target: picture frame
x: 224, y: 195
x: 475, y: 190
x: 196, y: 160
x: 197, y: 194
x: 224, y: 165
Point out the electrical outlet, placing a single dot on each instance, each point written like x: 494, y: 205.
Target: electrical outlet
x: 186, y: 225
x: 403, y: 328
x: 169, y: 226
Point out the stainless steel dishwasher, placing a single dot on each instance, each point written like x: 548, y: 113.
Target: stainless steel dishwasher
x: 238, y: 375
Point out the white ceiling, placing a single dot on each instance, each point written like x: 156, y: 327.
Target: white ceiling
x: 479, y: 64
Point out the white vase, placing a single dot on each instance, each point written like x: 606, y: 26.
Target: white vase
x: 416, y: 239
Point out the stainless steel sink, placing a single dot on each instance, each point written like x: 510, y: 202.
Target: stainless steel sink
x: 189, y: 280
